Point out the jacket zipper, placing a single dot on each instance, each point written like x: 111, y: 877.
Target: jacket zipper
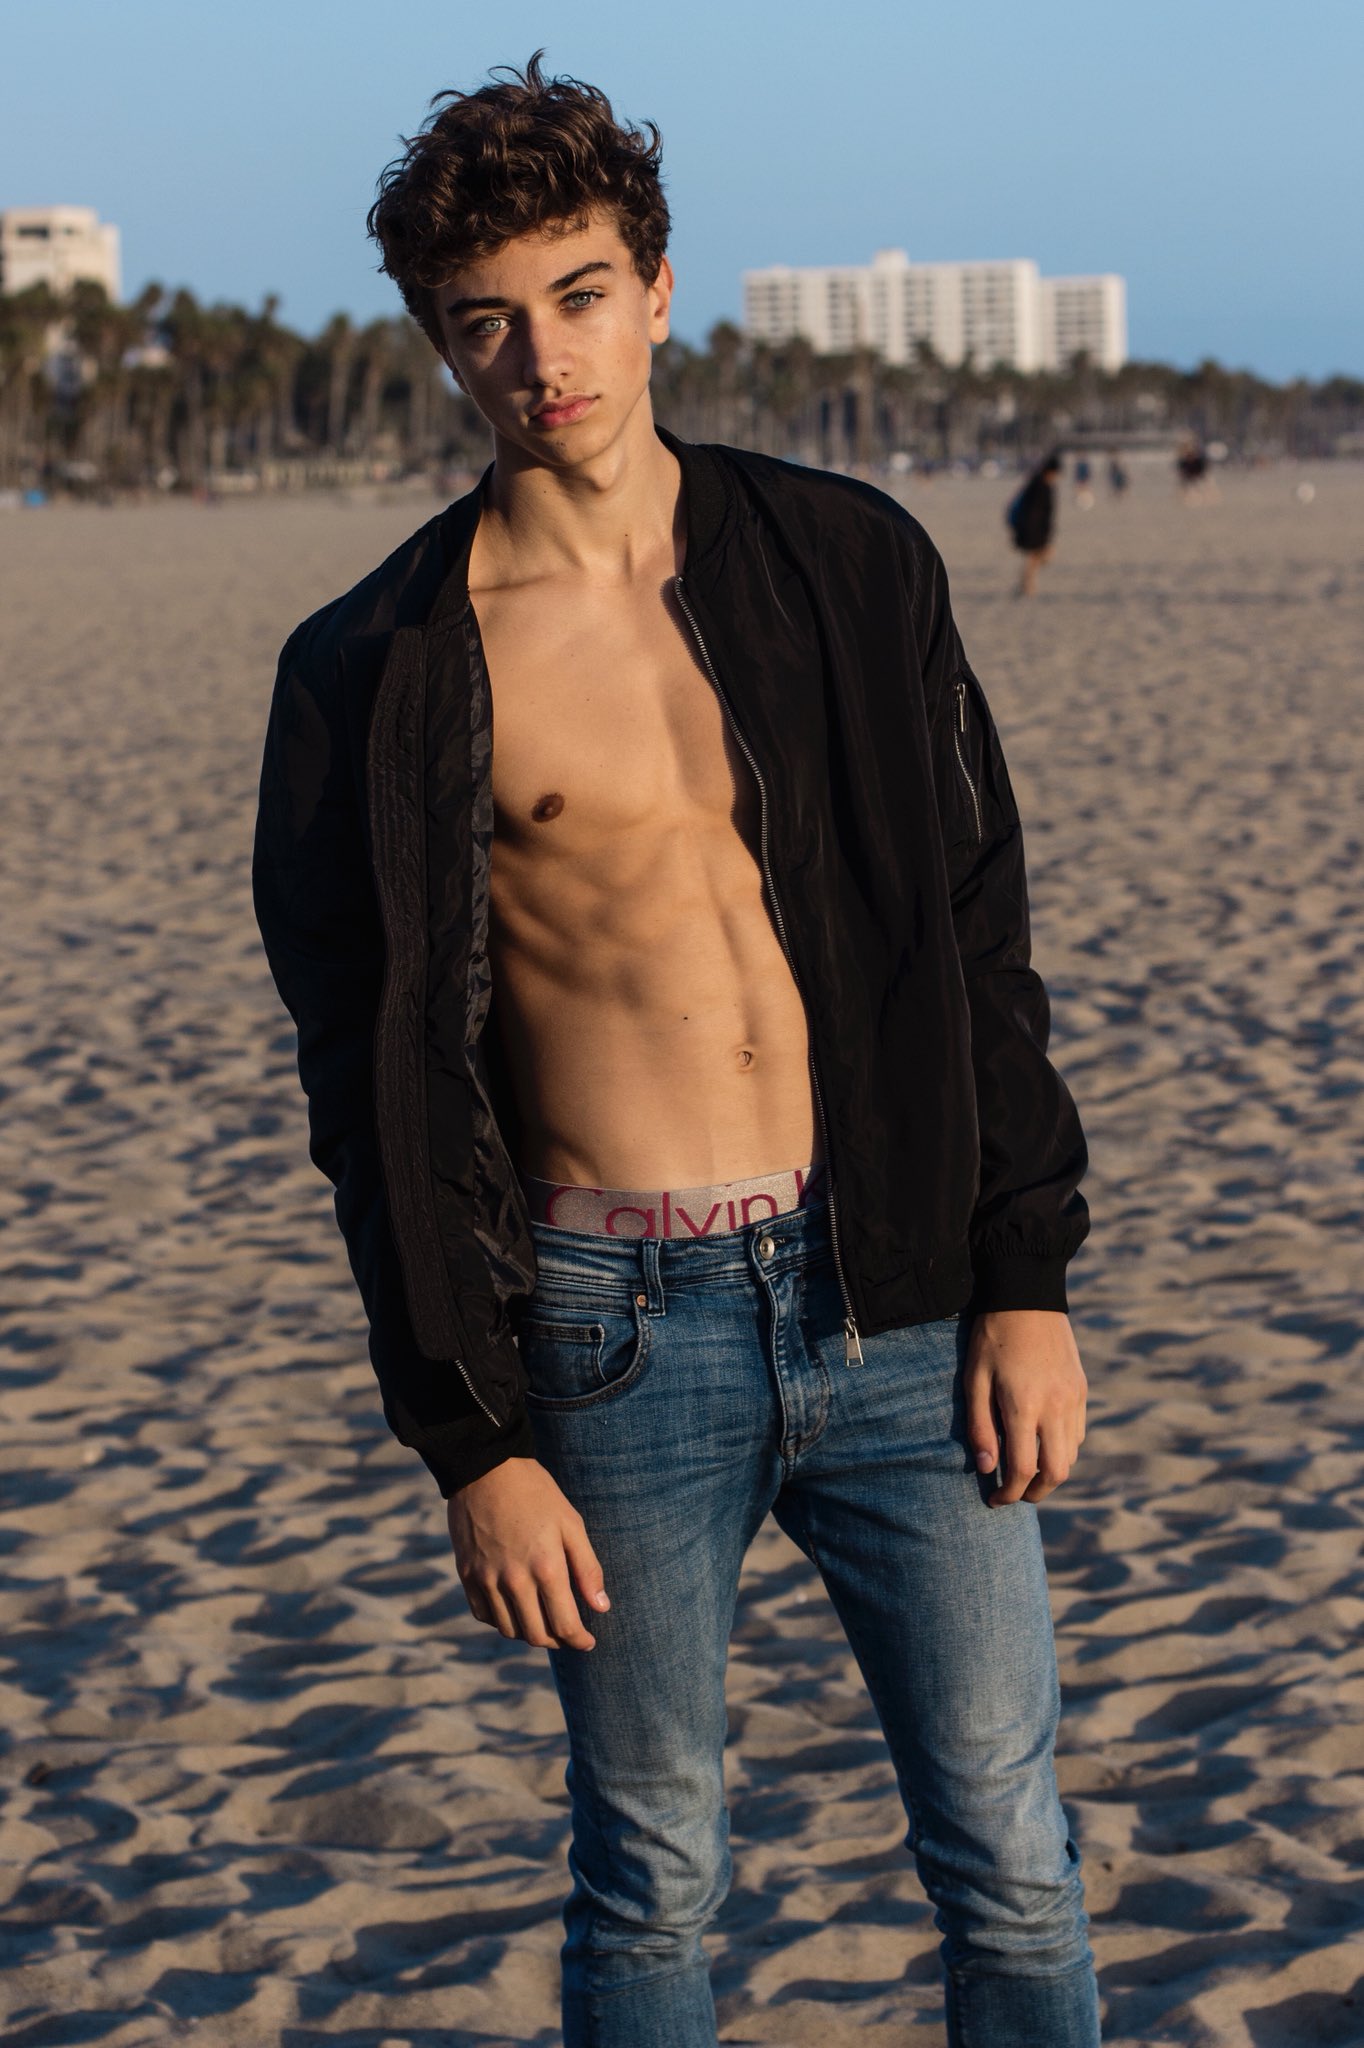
x: 852, y: 1342
x: 957, y: 731
x: 498, y: 1421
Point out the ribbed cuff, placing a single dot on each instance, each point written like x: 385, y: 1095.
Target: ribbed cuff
x: 1017, y: 1282
x: 458, y: 1454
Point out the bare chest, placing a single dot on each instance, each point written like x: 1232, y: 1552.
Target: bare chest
x: 603, y: 719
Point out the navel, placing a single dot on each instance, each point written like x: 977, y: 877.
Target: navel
x: 547, y: 807
x: 745, y: 1056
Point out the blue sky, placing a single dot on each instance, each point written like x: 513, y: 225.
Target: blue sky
x: 1210, y: 151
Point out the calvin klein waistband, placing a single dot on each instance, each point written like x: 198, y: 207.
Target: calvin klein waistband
x: 675, y: 1212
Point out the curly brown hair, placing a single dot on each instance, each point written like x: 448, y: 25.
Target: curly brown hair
x: 522, y: 153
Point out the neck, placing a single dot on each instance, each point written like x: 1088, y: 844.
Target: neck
x: 607, y: 518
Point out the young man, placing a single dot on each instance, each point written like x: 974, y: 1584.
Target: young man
x: 681, y: 1072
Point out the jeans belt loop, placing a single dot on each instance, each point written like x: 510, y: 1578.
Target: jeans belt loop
x: 650, y: 1249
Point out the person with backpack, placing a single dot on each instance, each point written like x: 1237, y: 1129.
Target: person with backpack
x: 1032, y: 518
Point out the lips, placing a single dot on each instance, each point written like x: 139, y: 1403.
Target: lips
x: 562, y: 413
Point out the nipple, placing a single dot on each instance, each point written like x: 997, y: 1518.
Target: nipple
x: 547, y: 807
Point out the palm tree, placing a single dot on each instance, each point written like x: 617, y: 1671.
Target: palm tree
x: 374, y: 350
x: 192, y: 337
x: 337, y: 344
x: 27, y: 320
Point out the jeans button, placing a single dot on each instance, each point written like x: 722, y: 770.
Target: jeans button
x: 766, y: 1247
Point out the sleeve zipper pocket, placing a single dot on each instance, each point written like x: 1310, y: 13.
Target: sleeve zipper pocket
x: 959, y: 685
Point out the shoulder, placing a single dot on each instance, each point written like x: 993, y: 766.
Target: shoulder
x: 819, y: 509
x: 401, y: 591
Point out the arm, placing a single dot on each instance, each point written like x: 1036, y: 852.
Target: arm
x: 319, y: 920
x: 520, y: 1547
x: 1025, y: 1386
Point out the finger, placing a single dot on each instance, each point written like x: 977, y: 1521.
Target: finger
x: 522, y: 1596
x: 1054, y: 1459
x: 499, y: 1614
x: 585, y: 1567
x: 560, y: 1611
x: 523, y: 1606
x: 981, y: 1433
x: 1049, y: 1477
x: 478, y: 1606
x: 1020, y: 1460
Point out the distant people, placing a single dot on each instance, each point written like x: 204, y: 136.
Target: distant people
x: 1117, y: 475
x: 1084, y: 485
x: 1032, y: 517
x: 1192, y: 471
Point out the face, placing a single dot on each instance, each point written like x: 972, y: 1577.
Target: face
x: 551, y: 337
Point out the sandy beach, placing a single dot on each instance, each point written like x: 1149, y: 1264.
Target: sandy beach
x: 264, y: 1781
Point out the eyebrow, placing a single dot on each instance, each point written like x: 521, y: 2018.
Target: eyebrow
x: 560, y: 284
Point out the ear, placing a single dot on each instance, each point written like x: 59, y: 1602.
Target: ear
x: 660, y: 294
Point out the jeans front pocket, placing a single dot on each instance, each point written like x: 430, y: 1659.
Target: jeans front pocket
x: 575, y: 1355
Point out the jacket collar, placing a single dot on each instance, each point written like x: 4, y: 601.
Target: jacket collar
x: 707, y: 493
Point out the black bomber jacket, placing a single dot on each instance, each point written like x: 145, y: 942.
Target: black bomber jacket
x: 893, y: 861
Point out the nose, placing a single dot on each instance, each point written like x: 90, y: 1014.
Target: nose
x: 545, y: 356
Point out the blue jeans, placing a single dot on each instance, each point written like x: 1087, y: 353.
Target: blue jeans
x: 679, y: 1391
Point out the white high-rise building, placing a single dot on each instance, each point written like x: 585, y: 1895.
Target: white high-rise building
x: 985, y: 313
x: 57, y: 246
x: 1084, y: 313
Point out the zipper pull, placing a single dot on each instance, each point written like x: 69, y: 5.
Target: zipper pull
x: 961, y: 704
x: 852, y: 1343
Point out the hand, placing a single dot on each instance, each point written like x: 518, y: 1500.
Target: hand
x: 1025, y: 1400
x: 520, y: 1550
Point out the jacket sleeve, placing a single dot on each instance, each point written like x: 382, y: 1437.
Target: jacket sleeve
x: 1030, y: 1217
x: 315, y: 904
